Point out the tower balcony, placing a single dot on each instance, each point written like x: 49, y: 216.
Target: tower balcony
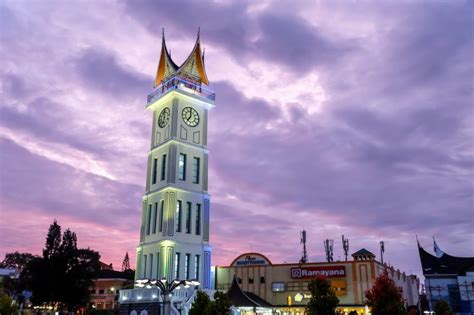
x: 181, y: 84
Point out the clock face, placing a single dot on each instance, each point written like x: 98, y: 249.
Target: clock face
x: 190, y: 116
x: 164, y: 117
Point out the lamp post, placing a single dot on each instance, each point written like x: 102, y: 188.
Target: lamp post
x: 166, y: 288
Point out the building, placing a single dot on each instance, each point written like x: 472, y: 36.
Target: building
x: 174, y: 235
x: 448, y: 278
x: 108, y: 283
x: 8, y: 272
x: 285, y: 286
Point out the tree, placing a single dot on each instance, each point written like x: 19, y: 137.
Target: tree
x: 201, y: 304
x: 63, y: 276
x: 53, y: 240
x: 220, y: 306
x: 442, y: 308
x: 384, y: 297
x: 6, y: 305
x: 17, y: 260
x: 14, y: 287
x: 126, y: 263
x: 323, y: 299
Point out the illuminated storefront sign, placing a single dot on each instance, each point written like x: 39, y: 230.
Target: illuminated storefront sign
x: 312, y: 272
x: 251, y: 259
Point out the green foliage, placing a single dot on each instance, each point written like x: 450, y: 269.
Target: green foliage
x: 442, y: 308
x: 384, y: 297
x: 323, y: 299
x: 220, y: 306
x: 126, y: 263
x: 6, y: 305
x: 202, y: 305
x: 17, y: 260
x: 64, y: 274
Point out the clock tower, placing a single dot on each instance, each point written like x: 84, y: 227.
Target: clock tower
x: 174, y: 235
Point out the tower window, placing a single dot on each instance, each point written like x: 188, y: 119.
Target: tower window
x: 182, y: 167
x: 160, y: 224
x: 188, y: 218
x: 151, y: 266
x: 158, y: 265
x: 144, y: 267
x: 155, y: 165
x: 196, y: 267
x: 163, y: 167
x: 186, y: 265
x: 148, y: 220
x: 196, y: 170
x: 176, y: 266
x: 178, y: 216
x: 155, y: 214
x: 198, y: 219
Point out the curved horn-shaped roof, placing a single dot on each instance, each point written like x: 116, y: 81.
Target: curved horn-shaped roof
x: 166, y: 66
x: 193, y: 67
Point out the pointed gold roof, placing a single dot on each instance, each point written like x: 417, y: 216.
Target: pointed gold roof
x: 191, y: 69
x: 166, y: 66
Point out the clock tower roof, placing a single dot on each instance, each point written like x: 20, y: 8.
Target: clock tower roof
x: 166, y: 66
x: 192, y: 68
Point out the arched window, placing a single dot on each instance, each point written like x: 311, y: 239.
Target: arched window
x: 133, y: 312
x: 144, y: 312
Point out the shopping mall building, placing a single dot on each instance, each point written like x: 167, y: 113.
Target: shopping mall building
x: 267, y: 288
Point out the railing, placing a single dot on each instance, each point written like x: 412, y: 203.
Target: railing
x: 180, y: 84
x: 153, y: 294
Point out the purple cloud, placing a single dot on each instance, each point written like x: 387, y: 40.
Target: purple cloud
x: 350, y: 119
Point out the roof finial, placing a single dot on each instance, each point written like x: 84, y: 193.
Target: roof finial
x: 437, y: 250
x: 417, y: 240
x: 163, y: 32
x: 199, y: 32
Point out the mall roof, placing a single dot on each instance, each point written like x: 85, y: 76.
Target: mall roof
x: 445, y: 264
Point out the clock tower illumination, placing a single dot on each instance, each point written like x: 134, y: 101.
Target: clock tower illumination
x: 174, y: 236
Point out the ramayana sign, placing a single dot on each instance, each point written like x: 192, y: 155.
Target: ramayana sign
x: 313, y: 272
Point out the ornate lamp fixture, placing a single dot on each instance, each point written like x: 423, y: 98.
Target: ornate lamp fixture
x: 166, y: 288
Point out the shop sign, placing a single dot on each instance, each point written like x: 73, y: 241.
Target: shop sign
x: 250, y: 260
x: 313, y: 272
x: 300, y: 296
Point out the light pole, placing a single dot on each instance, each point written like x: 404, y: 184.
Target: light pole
x: 166, y: 288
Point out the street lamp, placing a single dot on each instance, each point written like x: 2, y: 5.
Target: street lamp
x: 166, y: 288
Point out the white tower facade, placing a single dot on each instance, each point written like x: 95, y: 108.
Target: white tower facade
x: 174, y: 236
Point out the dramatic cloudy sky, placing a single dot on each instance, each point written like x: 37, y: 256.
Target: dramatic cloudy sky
x: 339, y: 117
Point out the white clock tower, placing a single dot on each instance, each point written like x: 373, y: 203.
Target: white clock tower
x: 174, y: 236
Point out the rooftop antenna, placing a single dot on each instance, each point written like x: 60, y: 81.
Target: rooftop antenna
x: 382, y: 250
x: 304, y: 258
x: 345, y: 246
x: 328, y: 246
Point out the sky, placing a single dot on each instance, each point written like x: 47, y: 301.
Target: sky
x: 337, y: 117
